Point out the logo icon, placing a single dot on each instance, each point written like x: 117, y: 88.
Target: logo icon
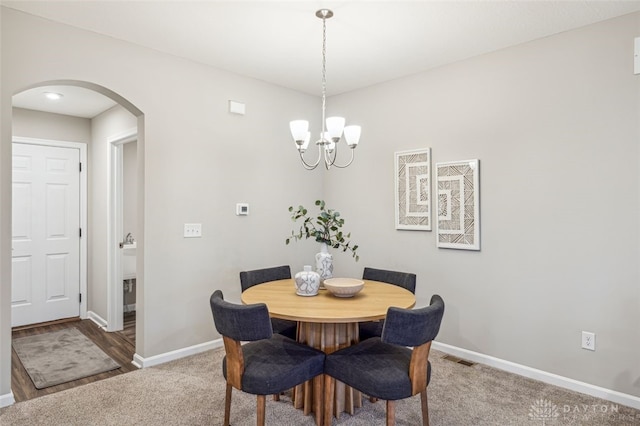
x: 543, y: 410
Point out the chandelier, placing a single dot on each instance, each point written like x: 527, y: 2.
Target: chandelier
x: 335, y: 128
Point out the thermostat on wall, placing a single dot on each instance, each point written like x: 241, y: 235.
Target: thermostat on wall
x: 242, y: 209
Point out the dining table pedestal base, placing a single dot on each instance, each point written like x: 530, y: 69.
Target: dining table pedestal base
x: 328, y: 337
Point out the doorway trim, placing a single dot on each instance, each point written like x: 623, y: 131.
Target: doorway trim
x: 115, y: 288
x: 82, y: 147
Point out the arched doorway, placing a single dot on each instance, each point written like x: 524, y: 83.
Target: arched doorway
x: 106, y: 121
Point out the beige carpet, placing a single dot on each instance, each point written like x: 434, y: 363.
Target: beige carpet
x: 61, y: 356
x: 190, y: 391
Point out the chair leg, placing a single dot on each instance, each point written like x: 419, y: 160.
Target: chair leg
x: 329, y: 384
x: 227, y: 404
x: 391, y: 413
x: 425, y: 408
x: 276, y: 397
x: 261, y: 408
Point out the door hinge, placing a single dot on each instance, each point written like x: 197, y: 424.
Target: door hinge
x: 80, y: 166
x: 80, y: 232
x: 79, y: 297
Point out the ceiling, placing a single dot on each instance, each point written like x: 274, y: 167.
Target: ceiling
x: 75, y: 101
x: 368, y: 42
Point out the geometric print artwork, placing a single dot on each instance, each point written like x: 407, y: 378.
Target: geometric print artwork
x: 413, y: 189
x: 458, y: 204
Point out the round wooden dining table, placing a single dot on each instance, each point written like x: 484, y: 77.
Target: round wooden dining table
x: 329, y: 323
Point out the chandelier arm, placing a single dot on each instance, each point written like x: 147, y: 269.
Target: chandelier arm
x: 327, y: 162
x: 311, y: 166
x: 330, y: 157
x: 345, y: 165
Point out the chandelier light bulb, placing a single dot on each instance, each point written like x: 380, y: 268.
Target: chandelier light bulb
x: 334, y: 127
x: 299, y: 130
x: 352, y: 135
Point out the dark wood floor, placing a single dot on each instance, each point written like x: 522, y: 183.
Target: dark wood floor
x: 118, y: 345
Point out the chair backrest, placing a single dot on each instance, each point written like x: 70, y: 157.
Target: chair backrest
x: 401, y: 279
x: 413, y: 327
x: 259, y: 276
x: 240, y: 322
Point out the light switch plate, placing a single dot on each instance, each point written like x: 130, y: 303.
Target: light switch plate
x: 192, y: 230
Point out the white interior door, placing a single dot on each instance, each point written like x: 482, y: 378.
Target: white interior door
x: 45, y: 283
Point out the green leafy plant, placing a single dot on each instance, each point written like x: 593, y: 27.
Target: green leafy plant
x: 325, y: 227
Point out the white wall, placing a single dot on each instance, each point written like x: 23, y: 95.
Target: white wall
x: 198, y: 162
x: 555, y: 124
x: 44, y: 125
x: 109, y: 124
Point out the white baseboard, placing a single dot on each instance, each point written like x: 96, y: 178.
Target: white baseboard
x: 543, y: 376
x: 141, y: 362
x: 7, y: 399
x: 101, y: 322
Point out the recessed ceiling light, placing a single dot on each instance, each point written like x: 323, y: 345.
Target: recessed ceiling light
x: 53, y: 96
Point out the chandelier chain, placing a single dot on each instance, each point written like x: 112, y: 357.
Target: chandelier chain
x: 324, y: 74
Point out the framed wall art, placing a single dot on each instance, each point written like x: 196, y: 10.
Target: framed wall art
x: 413, y: 189
x: 458, y: 204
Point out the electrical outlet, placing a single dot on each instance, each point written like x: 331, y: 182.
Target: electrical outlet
x: 588, y: 340
x: 192, y: 230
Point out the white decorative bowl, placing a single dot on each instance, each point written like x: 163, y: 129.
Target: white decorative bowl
x: 343, y: 287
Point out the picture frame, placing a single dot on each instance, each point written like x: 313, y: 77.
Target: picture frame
x: 458, y: 204
x: 413, y: 190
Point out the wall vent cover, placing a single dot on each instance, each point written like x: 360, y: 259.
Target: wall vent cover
x: 458, y: 360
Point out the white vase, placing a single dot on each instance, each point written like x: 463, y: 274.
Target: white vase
x: 307, y: 282
x: 324, y: 264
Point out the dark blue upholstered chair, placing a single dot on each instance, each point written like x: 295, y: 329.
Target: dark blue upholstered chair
x: 384, y: 367
x: 406, y: 280
x: 269, y: 363
x: 259, y: 276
